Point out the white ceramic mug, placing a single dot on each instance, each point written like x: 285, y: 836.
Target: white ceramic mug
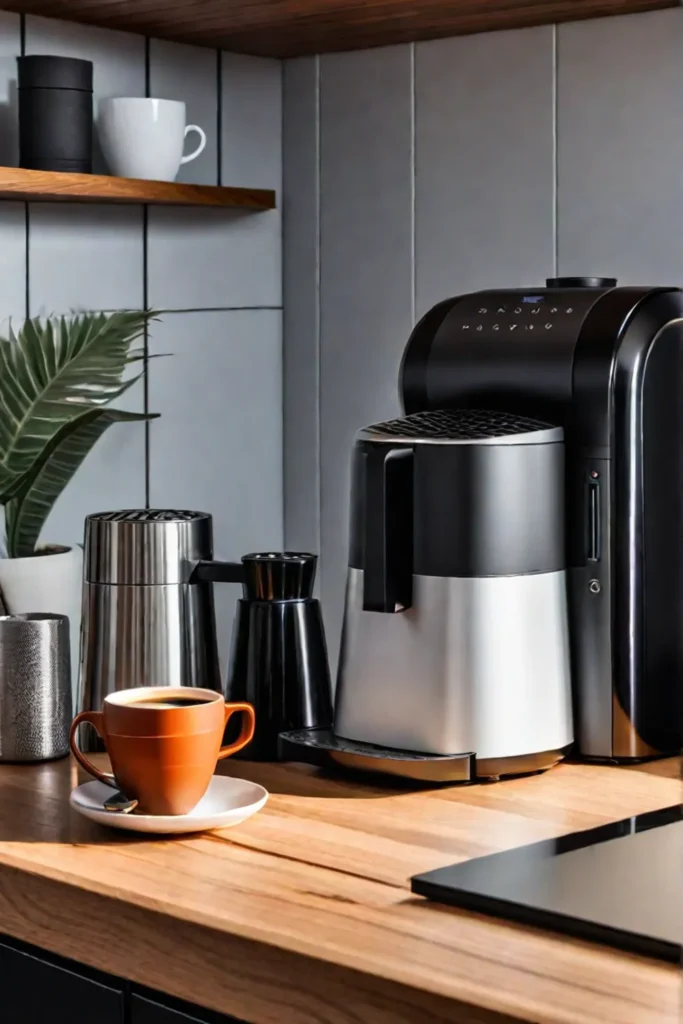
x: 144, y: 138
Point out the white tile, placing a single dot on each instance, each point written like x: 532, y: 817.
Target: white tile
x: 484, y: 163
x: 84, y: 257
x: 301, y: 268
x: 190, y: 74
x: 112, y: 476
x: 87, y: 257
x: 201, y: 259
x: 366, y: 275
x: 218, y: 444
x: 12, y: 215
x: 251, y: 106
x: 620, y: 146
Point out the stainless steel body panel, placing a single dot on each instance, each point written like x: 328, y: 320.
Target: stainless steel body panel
x: 477, y: 664
x: 146, y: 636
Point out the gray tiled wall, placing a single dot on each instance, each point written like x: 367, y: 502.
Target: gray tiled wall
x: 447, y: 166
x: 218, y: 444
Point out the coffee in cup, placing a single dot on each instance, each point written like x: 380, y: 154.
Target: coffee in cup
x: 163, y: 743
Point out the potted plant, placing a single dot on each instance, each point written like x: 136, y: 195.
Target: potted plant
x: 57, y: 378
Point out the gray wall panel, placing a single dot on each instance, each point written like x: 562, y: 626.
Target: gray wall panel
x: 12, y: 215
x: 202, y: 259
x: 91, y: 257
x: 366, y: 273
x: 301, y: 231
x: 87, y: 257
x: 620, y: 136
x: 189, y: 74
x: 484, y: 163
x: 218, y: 444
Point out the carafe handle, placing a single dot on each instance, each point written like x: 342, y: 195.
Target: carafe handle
x: 388, y: 562
x: 211, y: 571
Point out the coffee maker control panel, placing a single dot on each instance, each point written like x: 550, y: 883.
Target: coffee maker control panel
x: 520, y: 314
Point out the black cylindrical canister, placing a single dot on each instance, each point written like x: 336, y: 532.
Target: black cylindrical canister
x: 55, y: 113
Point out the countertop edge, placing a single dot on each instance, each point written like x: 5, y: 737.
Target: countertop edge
x: 217, y: 970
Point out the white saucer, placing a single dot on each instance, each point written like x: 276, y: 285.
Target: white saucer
x: 227, y: 802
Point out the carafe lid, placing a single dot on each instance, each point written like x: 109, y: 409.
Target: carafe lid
x: 145, y: 546
x: 278, y: 575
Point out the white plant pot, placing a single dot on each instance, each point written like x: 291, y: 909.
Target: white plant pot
x: 47, y: 583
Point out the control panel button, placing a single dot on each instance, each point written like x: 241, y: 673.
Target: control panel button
x: 548, y: 327
x: 480, y: 328
x: 518, y: 309
x: 501, y: 309
x: 482, y: 310
x: 496, y: 327
x: 465, y: 327
x: 570, y: 309
x: 553, y: 309
x: 513, y: 327
x: 535, y: 312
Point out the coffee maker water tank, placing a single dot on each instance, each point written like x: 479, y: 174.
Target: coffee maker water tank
x: 455, y: 632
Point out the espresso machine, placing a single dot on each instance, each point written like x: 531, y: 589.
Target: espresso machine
x: 603, y: 365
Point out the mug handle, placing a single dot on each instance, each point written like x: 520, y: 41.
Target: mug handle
x: 247, y: 733
x: 200, y: 147
x: 95, y: 719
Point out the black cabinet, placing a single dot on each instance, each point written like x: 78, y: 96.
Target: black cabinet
x: 147, y: 1011
x: 39, y: 988
x: 37, y: 991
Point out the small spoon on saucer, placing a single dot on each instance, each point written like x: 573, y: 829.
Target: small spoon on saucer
x: 119, y: 803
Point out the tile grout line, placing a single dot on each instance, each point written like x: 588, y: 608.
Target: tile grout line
x: 413, y: 189
x: 145, y: 301
x: 27, y: 208
x: 556, y: 162
x: 283, y: 409
x: 318, y: 315
x: 219, y: 117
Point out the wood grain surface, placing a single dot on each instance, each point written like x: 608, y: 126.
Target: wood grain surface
x: 303, y: 915
x: 287, y: 28
x: 56, y: 186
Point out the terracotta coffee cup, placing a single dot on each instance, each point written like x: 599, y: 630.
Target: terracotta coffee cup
x: 163, y: 743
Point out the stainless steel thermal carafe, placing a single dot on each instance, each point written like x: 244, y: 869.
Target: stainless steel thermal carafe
x: 147, y: 620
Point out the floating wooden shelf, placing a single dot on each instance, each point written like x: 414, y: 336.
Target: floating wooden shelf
x: 289, y: 28
x: 53, y: 186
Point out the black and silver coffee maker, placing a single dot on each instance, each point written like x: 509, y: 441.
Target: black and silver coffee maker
x: 604, y: 364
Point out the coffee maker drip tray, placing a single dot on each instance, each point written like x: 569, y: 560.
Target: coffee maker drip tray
x: 322, y: 748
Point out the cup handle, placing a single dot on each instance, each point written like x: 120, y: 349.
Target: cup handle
x: 247, y: 733
x: 200, y: 147
x: 95, y: 719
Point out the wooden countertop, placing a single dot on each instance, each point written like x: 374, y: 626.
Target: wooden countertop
x: 303, y: 914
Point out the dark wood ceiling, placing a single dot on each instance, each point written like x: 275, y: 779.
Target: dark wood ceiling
x: 287, y: 28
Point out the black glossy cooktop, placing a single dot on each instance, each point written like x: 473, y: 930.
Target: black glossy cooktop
x: 620, y: 884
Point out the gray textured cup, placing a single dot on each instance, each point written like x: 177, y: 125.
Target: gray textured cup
x: 35, y: 687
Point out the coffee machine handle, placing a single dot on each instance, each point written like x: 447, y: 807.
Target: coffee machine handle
x: 207, y: 571
x: 388, y: 562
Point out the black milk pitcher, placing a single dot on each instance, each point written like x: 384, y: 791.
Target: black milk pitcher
x: 278, y: 660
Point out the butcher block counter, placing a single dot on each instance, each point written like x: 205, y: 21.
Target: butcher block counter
x: 303, y: 914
